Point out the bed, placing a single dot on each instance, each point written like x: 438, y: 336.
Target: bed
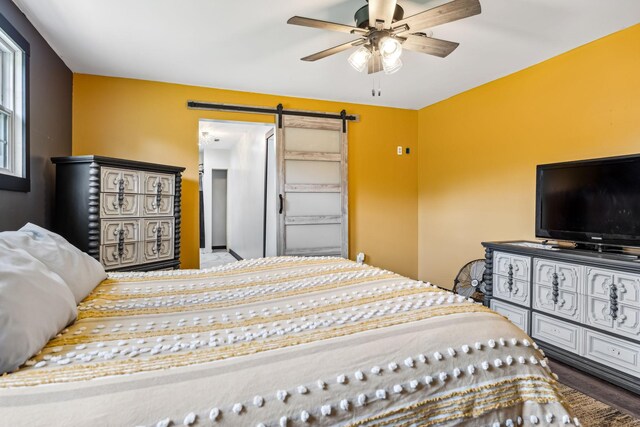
x: 284, y: 341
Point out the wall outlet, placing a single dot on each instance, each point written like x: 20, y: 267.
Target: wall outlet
x: 399, y: 150
x: 360, y: 258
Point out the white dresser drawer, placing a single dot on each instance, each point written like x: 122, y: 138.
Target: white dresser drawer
x: 506, y: 264
x: 556, y: 332
x: 568, y: 305
x: 517, y: 291
x: 151, y: 227
x: 113, y: 205
x: 566, y: 276
x: 151, y: 207
x: 151, y: 181
x: 614, y: 352
x: 602, y: 286
x: 110, y: 230
x: 114, y: 180
x: 517, y: 315
x: 599, y: 283
x: 152, y: 252
x: 112, y: 258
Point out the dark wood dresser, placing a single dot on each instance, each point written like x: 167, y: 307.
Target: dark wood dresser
x: 124, y: 213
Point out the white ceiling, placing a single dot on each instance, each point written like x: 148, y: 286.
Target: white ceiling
x: 247, y: 45
x: 227, y: 133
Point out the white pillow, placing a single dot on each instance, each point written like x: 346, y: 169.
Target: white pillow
x: 81, y: 272
x: 35, y: 304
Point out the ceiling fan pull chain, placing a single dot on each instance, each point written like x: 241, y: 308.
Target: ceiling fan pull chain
x: 373, y: 87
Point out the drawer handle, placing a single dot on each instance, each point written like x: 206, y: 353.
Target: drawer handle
x: 158, y: 192
x: 120, y: 192
x: 158, y: 239
x: 510, y: 278
x: 120, y: 242
x: 555, y: 293
x: 613, y: 301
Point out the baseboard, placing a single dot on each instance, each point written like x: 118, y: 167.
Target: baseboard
x: 218, y: 247
x: 235, y: 255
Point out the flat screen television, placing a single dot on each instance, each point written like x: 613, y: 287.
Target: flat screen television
x: 590, y: 201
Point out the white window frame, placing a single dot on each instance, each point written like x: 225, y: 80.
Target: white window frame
x: 14, y: 60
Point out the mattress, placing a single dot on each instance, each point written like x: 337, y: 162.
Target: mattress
x: 285, y: 341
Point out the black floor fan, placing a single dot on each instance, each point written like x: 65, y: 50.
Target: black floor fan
x: 470, y: 280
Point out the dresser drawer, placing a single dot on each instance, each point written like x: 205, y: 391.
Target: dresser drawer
x: 115, y: 180
x: 154, y: 252
x: 517, y: 291
x: 154, y: 206
x: 614, y: 352
x: 151, y: 227
x: 506, y: 264
x: 556, y: 332
x: 627, y: 285
x: 568, y: 304
x: 517, y: 315
x: 113, y: 205
x: 112, y: 258
x: 152, y: 181
x: 566, y: 276
x: 111, y: 229
x: 611, y: 302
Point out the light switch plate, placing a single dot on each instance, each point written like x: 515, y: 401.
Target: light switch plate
x: 399, y: 150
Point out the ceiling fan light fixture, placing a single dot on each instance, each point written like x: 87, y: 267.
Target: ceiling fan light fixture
x: 360, y: 58
x: 391, y: 66
x: 390, y: 48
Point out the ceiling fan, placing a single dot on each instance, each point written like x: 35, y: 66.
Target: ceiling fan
x: 383, y: 33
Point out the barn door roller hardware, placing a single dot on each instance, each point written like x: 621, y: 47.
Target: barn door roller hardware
x: 279, y: 111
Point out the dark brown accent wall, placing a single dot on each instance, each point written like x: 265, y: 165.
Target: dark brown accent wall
x: 50, y: 127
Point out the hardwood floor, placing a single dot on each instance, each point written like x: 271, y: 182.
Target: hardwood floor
x: 601, y: 390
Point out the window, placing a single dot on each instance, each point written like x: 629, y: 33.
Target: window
x: 14, y: 135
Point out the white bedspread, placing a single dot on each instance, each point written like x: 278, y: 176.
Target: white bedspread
x: 283, y: 342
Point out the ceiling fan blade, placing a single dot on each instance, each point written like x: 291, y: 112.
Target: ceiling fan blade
x: 448, y: 12
x: 375, y: 63
x: 381, y: 10
x: 325, y: 25
x: 333, y: 50
x: 429, y: 45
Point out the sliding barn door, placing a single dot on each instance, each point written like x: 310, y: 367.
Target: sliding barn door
x: 312, y: 187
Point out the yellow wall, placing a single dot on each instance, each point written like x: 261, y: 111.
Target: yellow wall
x: 149, y: 121
x: 478, y: 150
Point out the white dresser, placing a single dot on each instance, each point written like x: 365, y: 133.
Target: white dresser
x: 124, y: 213
x: 582, y: 308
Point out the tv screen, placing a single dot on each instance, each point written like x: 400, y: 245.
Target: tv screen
x: 595, y: 201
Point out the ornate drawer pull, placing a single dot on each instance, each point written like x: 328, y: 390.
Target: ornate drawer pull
x: 120, y: 242
x: 158, y: 193
x: 158, y: 239
x: 555, y: 293
x: 120, y: 192
x: 510, y: 278
x: 613, y: 301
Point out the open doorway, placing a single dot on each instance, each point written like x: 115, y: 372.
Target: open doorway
x: 238, y: 192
